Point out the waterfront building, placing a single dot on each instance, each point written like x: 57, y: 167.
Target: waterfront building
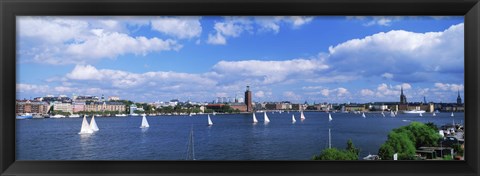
x: 78, y: 106
x: 133, y: 108
x: 240, y: 106
x: 355, y: 107
x: 63, y: 106
x: 34, y: 107
x: 106, y: 106
x: 248, y: 99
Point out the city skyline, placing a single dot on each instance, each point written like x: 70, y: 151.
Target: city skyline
x: 297, y: 59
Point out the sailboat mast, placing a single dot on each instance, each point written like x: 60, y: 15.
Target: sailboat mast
x: 193, y: 145
x: 329, y: 139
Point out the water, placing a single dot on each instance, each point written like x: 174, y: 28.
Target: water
x: 232, y: 137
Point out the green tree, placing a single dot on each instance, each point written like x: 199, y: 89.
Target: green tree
x: 405, y: 140
x: 351, y: 147
x: 335, y: 154
x: 350, y: 153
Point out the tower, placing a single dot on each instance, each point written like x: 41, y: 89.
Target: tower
x: 248, y: 99
x: 403, y: 98
x: 459, y: 99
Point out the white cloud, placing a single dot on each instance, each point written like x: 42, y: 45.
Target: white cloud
x: 405, y: 86
x: 325, y: 92
x: 367, y: 92
x: 449, y: 87
x: 180, y: 27
x: 342, y: 91
x: 411, y: 57
x: 126, y: 80
x: 290, y: 95
x: 84, y: 72
x: 82, y: 40
x: 387, y: 75
x: 235, y: 26
x: 268, y: 71
x: 216, y: 39
x: 111, y: 45
x: 51, y: 29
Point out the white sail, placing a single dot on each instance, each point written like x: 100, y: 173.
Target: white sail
x: 420, y: 114
x: 434, y: 114
x: 210, y: 123
x: 302, y: 117
x: 85, y: 127
x: 93, y: 124
x: 144, y: 122
x: 383, y: 114
x: 329, y: 117
x: 254, y: 118
x: 293, y: 119
x: 363, y: 115
x: 452, y: 114
x: 265, y: 117
x: 392, y: 114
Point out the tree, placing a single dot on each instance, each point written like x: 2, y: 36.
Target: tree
x: 397, y: 143
x: 350, y: 153
x: 405, y: 140
x: 351, y: 147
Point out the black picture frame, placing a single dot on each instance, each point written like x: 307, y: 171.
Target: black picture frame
x: 9, y: 9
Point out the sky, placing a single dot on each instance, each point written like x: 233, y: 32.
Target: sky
x: 334, y: 59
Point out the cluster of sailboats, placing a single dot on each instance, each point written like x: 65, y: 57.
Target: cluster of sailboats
x: 89, y: 128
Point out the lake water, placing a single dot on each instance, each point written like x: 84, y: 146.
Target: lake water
x: 232, y: 137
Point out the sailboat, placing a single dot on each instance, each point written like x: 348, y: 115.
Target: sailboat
x: 85, y: 127
x: 93, y: 124
x: 293, y: 119
x: 363, y: 115
x: 452, y: 114
x: 383, y: 114
x: 329, y: 117
x: 254, y: 118
x: 265, y: 117
x: 434, y: 114
x: 302, y: 117
x: 210, y: 123
x: 144, y: 122
x: 392, y: 114
x: 420, y: 115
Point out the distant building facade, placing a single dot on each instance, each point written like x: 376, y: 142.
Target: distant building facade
x: 34, y: 107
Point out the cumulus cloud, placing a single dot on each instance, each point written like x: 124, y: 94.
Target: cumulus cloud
x: 367, y: 92
x: 449, y: 87
x: 180, y: 27
x: 411, y: 57
x: 110, y: 45
x: 126, y: 80
x: 268, y: 71
x: 80, y: 40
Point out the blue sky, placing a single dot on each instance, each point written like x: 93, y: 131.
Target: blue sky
x: 294, y: 58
